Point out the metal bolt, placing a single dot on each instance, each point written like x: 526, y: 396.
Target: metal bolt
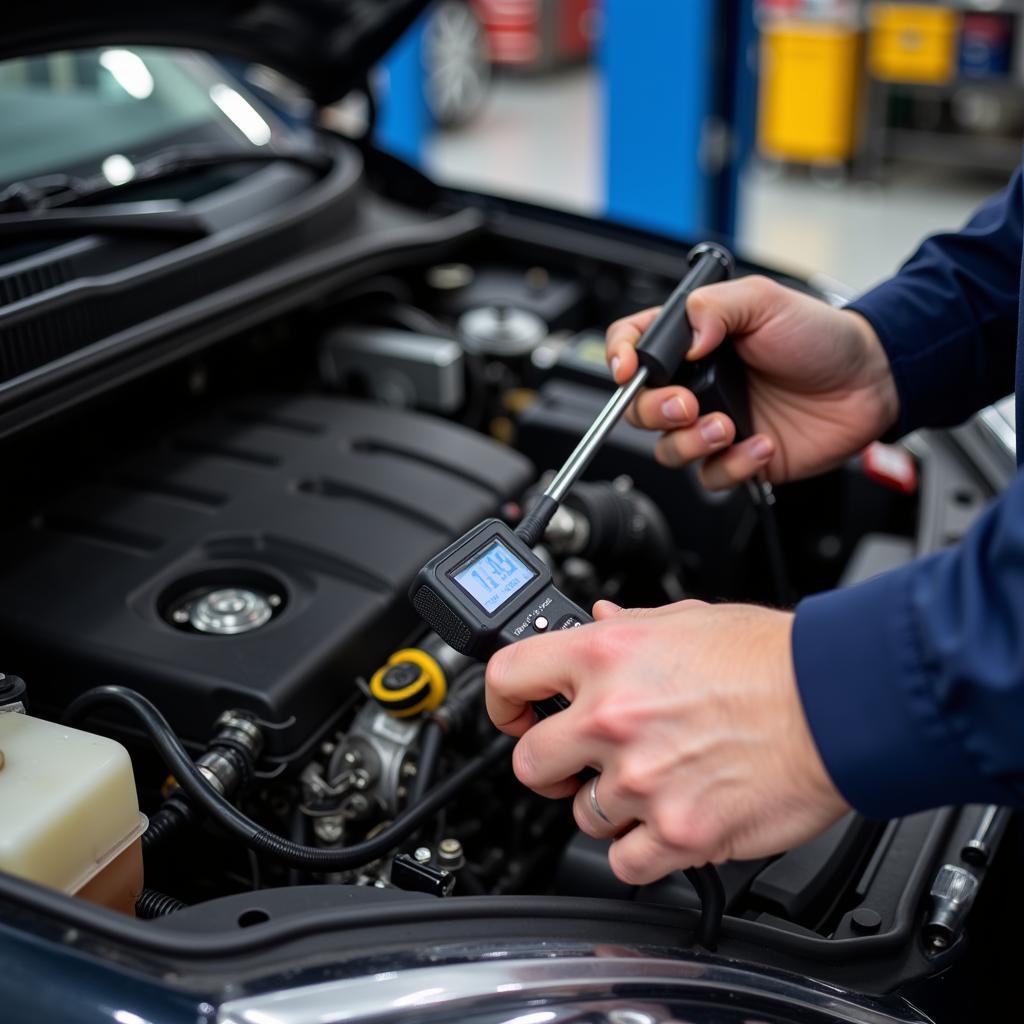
x: 449, y: 854
x: 274, y: 600
x: 360, y: 778
x: 422, y: 855
x: 357, y: 804
x: 180, y: 615
x: 327, y: 748
x: 328, y: 830
x: 350, y: 757
x: 409, y: 770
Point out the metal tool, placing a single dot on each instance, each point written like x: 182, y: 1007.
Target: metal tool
x: 977, y: 851
x: 951, y: 897
x: 719, y: 382
x: 489, y: 589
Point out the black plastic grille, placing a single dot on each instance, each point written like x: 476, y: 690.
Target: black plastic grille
x: 442, y: 620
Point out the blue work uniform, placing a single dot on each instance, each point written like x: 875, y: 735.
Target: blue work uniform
x: 913, y: 682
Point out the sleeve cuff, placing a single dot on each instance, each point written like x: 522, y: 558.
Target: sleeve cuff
x: 869, y: 706
x: 874, y: 306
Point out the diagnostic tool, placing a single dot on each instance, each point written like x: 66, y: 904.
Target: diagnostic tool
x: 489, y: 589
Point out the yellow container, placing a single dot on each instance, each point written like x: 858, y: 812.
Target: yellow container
x: 809, y: 92
x: 913, y: 42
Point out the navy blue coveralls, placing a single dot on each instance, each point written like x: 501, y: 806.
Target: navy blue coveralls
x: 913, y: 682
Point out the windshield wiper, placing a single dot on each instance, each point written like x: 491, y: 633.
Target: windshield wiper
x: 150, y: 218
x: 57, y: 191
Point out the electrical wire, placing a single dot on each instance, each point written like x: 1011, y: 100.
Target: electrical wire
x: 254, y: 836
x: 431, y: 740
x: 763, y: 502
x: 705, y: 880
x: 708, y: 884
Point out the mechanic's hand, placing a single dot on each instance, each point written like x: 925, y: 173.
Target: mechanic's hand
x: 690, y: 713
x: 820, y: 384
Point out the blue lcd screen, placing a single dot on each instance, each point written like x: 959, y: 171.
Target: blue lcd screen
x: 493, y: 575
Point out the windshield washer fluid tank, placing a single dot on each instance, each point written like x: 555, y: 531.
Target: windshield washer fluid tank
x: 69, y: 812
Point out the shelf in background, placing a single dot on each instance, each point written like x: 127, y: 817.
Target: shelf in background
x: 978, y: 152
x: 1000, y: 85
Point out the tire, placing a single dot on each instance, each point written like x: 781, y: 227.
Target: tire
x: 456, y: 62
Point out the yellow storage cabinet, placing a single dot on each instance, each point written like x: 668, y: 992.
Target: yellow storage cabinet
x: 913, y: 42
x: 809, y: 92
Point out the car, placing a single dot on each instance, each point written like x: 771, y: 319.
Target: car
x: 464, y: 39
x: 254, y: 375
x: 538, y: 34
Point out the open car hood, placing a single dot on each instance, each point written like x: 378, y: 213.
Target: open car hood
x: 325, y: 46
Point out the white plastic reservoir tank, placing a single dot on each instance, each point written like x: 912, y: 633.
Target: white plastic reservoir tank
x: 69, y: 812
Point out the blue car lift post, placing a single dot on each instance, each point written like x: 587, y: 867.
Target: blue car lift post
x: 403, y: 119
x: 679, y: 99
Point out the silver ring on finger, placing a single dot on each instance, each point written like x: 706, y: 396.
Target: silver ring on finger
x: 596, y: 806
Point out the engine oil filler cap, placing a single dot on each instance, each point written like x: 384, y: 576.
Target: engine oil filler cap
x: 410, y: 683
x: 501, y: 331
x: 229, y: 611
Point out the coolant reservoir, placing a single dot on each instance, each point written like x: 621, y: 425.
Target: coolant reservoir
x: 69, y: 813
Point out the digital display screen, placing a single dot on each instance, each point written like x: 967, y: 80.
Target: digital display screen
x: 493, y: 575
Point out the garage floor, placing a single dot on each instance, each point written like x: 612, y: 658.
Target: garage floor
x: 540, y: 138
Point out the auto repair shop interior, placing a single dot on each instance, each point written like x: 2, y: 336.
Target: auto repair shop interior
x: 303, y: 315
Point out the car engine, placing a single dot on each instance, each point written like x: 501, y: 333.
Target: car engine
x: 231, y: 537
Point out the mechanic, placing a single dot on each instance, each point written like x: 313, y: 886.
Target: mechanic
x: 729, y: 731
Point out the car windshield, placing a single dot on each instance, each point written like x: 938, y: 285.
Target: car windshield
x: 87, y: 110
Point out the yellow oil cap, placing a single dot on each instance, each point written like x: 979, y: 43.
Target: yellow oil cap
x: 410, y: 683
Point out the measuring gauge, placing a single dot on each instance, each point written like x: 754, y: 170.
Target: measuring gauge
x: 489, y: 590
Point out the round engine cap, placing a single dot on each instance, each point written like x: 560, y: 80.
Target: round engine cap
x: 501, y: 331
x: 229, y: 610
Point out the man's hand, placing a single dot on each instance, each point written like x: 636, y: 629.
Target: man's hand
x: 820, y: 384
x: 690, y: 713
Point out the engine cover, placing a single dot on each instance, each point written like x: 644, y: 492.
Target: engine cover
x: 305, y: 519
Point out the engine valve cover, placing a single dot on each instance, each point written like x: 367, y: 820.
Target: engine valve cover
x: 256, y: 558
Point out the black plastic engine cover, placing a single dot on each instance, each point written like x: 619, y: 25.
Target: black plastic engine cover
x: 333, y: 503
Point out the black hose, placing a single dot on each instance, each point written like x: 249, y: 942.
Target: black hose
x: 431, y: 740
x: 298, y: 832
x: 172, y: 817
x: 711, y: 893
x: 761, y: 499
x: 152, y: 904
x: 249, y: 832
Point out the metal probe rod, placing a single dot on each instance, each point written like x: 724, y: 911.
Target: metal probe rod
x: 659, y: 352
x: 587, y: 448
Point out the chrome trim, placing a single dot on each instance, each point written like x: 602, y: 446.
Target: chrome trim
x: 496, y: 985
x: 999, y: 420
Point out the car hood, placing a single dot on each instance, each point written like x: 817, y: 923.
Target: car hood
x: 325, y: 46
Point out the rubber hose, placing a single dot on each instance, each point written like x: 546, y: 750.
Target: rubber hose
x: 711, y: 893
x: 152, y: 904
x: 760, y: 498
x: 172, y: 816
x: 247, y: 831
x: 431, y: 739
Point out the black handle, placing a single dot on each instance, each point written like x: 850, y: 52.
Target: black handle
x: 719, y: 381
x: 668, y: 339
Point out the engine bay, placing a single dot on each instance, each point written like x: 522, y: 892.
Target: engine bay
x: 233, y: 536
